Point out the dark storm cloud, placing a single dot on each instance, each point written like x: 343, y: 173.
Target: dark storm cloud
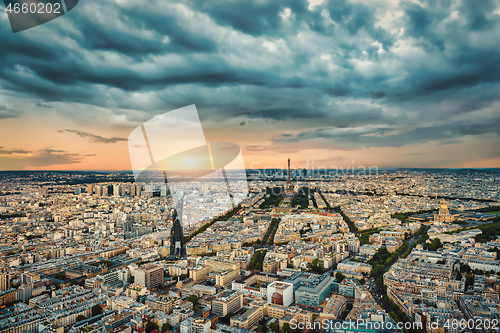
x: 93, y: 137
x: 348, y: 115
x: 145, y: 32
x: 282, y: 114
x: 356, y: 16
x: 479, y: 14
x: 71, y: 79
x: 263, y: 18
x: 343, y: 65
x: 375, y: 137
x: 42, y: 105
x: 462, y: 44
x: 421, y: 22
x: 126, y: 33
x: 255, y: 18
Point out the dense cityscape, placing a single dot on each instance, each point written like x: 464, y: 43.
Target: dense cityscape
x: 249, y: 166
x: 393, y: 251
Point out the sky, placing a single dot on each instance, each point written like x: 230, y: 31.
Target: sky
x: 325, y: 83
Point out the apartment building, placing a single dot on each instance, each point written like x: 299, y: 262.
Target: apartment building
x: 226, y: 302
x: 225, y: 277
x: 248, y: 319
x: 163, y: 303
x: 151, y: 276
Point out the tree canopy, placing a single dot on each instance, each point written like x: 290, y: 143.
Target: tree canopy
x: 151, y: 326
x: 166, y: 327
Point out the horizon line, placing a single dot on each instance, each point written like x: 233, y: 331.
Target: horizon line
x: 349, y: 168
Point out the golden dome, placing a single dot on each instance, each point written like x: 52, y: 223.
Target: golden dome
x: 443, y: 205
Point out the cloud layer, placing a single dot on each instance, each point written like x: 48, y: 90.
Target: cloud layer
x: 43, y: 158
x: 338, y: 75
x: 93, y: 137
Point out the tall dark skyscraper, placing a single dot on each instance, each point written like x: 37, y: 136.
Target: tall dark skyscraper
x: 177, y: 246
x: 289, y: 186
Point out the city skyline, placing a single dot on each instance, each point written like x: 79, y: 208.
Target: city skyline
x: 98, y: 253
x: 385, y: 83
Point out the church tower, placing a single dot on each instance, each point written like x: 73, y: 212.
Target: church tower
x: 443, y: 209
x: 444, y: 214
